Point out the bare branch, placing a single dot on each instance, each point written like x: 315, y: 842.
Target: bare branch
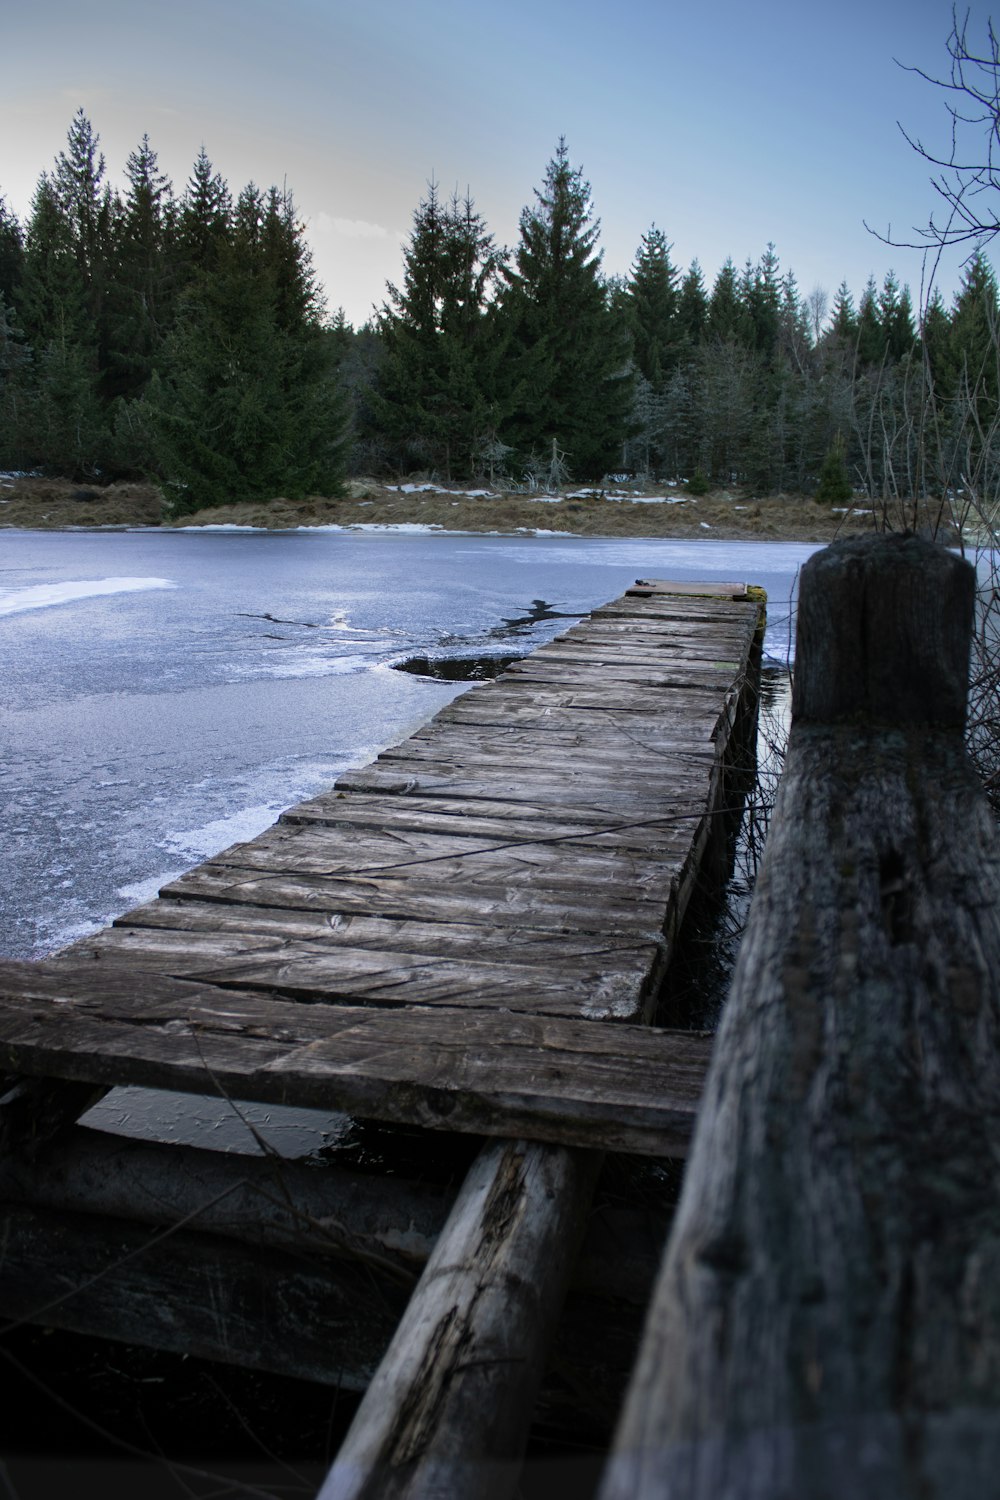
x: 966, y: 170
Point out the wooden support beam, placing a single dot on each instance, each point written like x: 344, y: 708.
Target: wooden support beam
x: 321, y: 1319
x: 826, y: 1322
x: 385, y: 1222
x: 621, y: 1087
x: 447, y: 1412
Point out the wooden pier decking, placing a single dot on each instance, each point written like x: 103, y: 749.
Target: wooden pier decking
x: 431, y: 941
x: 825, y: 1321
x: 469, y: 935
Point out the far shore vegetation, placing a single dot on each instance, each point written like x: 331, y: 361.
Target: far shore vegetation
x: 180, y: 340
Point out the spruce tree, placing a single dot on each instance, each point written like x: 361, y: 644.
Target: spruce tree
x: 871, y: 342
x: 86, y: 204
x: 61, y: 426
x: 204, y: 220
x: 833, y: 486
x: 692, y: 310
x: 650, y: 304
x: 15, y: 357
x: 725, y: 311
x: 844, y: 322
x: 761, y: 304
x: 935, y: 337
x: 142, y: 290
x: 434, y: 399
x: 11, y: 251
x: 248, y: 405
x: 975, y: 346
x: 565, y: 353
x: 895, y: 316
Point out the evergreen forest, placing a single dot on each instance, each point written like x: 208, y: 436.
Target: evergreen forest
x: 183, y: 338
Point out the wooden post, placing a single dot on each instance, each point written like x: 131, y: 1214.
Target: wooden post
x: 446, y: 1416
x: 827, y: 1318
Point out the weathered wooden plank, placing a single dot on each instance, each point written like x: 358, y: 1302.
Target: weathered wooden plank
x: 639, y: 598
x: 603, y: 739
x: 826, y: 1321
x: 609, y: 698
x: 656, y: 677
x: 687, y: 735
x: 314, y: 970
x: 398, y: 775
x: 479, y: 870
x: 635, y: 757
x: 614, y: 660
x: 667, y: 639
x: 418, y: 853
x: 447, y: 1412
x: 628, y: 1088
x: 627, y: 757
x: 634, y: 638
x: 646, y: 587
x: 407, y: 900
x: 498, y: 821
x: 515, y: 943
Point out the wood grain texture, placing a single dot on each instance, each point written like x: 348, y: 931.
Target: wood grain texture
x: 528, y: 855
x: 446, y: 1414
x: 384, y: 1222
x: 827, y: 1320
x: 629, y: 1088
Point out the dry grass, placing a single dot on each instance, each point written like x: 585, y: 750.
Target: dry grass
x: 45, y: 504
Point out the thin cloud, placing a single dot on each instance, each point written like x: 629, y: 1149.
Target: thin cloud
x: 353, y: 229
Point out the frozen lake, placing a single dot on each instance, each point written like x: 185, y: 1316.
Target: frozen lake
x: 164, y: 694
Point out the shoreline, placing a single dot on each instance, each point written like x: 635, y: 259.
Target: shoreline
x: 34, y: 504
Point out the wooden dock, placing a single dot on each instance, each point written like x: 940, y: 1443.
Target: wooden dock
x: 431, y: 941
x: 469, y: 934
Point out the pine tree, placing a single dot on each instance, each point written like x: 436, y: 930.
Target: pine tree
x: 844, y: 323
x: 762, y: 298
x: 248, y: 405
x: 833, y: 486
x: 975, y: 344
x: 725, y: 310
x: 434, y: 398
x: 142, y: 292
x: 871, y: 344
x: 11, y: 251
x: 650, y: 304
x: 60, y: 422
x: 895, y: 317
x: 203, y: 221
x: 935, y: 336
x: 692, y: 310
x: 566, y: 355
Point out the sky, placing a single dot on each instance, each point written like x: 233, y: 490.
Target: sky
x: 728, y: 125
